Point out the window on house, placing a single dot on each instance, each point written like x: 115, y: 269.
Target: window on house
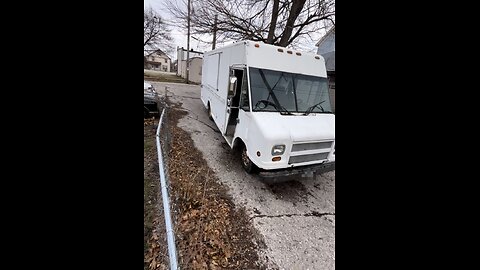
x: 165, y: 60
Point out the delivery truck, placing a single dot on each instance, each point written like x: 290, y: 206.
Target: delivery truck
x: 272, y: 103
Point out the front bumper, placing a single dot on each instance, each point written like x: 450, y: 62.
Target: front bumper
x: 308, y: 170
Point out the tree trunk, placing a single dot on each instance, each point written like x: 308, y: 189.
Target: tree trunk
x: 273, y: 22
x: 297, y: 7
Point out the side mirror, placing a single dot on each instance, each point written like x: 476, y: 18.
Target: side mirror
x: 232, y: 86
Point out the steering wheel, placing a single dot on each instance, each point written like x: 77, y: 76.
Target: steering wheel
x: 265, y: 103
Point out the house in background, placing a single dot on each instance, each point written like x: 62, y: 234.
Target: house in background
x: 157, y: 60
x: 326, y: 48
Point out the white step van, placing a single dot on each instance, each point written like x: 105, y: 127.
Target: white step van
x: 273, y: 104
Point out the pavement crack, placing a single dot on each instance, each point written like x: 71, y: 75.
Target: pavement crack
x: 311, y: 214
x: 318, y: 214
x: 196, y: 119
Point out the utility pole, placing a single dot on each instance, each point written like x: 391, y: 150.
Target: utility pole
x: 188, y: 39
x: 214, y: 33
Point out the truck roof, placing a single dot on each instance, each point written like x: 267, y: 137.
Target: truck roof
x: 267, y: 56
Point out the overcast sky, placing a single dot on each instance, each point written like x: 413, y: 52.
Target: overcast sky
x: 180, y: 35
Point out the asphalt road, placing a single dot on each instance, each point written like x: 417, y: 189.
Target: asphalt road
x: 296, y: 219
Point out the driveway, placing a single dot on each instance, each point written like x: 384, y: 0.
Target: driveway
x: 296, y: 219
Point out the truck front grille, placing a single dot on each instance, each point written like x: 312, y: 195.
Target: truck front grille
x: 307, y: 158
x: 299, y: 147
x: 311, y: 146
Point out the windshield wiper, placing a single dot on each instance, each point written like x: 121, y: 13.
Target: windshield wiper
x: 285, y: 110
x: 311, y: 108
x: 270, y: 90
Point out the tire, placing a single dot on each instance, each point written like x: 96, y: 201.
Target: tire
x: 247, y: 164
x: 209, y: 111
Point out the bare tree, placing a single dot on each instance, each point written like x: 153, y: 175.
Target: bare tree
x: 278, y: 22
x: 156, y: 35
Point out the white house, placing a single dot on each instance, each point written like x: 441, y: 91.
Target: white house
x: 157, y: 60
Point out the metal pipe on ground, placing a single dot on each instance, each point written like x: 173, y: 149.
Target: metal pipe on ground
x: 172, y: 252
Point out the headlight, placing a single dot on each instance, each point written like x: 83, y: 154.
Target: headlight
x: 278, y: 149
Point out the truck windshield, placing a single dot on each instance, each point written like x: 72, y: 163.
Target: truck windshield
x: 293, y: 92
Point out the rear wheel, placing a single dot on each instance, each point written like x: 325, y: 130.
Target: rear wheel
x: 247, y: 164
x: 209, y: 112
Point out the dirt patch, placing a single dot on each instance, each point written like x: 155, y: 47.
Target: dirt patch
x: 211, y: 233
x: 154, y: 237
x: 292, y: 191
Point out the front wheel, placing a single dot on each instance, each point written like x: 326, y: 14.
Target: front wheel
x: 247, y: 164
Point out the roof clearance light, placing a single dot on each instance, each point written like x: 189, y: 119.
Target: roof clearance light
x: 289, y: 52
x: 256, y: 45
x: 280, y: 50
x: 298, y: 53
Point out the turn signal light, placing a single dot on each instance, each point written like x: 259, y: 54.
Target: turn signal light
x: 276, y: 158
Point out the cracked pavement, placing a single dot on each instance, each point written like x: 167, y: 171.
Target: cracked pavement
x: 296, y: 218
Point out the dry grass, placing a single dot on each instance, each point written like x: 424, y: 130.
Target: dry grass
x: 159, y: 76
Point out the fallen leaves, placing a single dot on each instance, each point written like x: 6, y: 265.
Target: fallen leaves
x: 155, y: 257
x: 210, y: 233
